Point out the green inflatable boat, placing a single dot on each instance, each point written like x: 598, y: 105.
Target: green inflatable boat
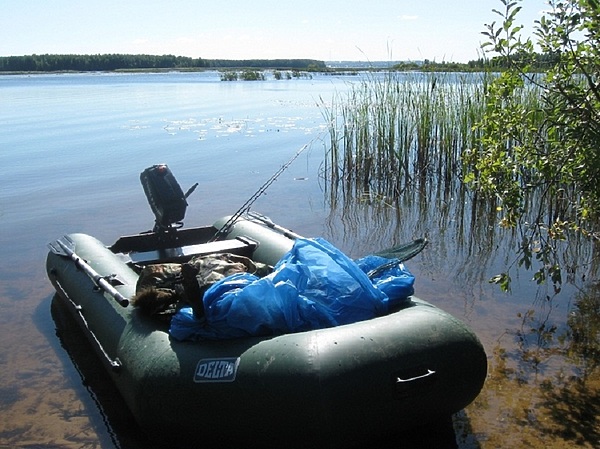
x: 335, y: 387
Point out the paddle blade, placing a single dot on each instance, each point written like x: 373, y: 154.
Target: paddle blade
x: 63, y: 246
x: 404, y: 252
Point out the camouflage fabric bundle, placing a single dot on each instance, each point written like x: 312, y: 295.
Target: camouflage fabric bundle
x: 159, y: 289
x: 164, y: 288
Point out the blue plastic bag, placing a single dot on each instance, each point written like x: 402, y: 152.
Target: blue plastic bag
x: 214, y: 326
x: 396, y: 282
x: 313, y: 286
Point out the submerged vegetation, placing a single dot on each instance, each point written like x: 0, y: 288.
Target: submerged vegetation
x: 259, y: 75
x: 525, y: 142
x: 246, y: 75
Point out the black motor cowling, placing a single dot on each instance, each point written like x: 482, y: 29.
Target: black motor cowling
x: 166, y: 199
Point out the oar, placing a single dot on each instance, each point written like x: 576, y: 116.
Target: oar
x: 405, y: 251
x: 398, y: 254
x: 65, y: 247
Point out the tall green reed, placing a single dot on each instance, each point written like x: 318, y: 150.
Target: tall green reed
x: 393, y: 128
x: 406, y: 142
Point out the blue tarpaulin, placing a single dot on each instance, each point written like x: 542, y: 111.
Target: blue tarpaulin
x: 313, y: 286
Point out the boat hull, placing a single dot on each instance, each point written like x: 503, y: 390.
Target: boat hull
x: 335, y: 387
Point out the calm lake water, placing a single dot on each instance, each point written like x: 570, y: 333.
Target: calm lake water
x: 72, y: 147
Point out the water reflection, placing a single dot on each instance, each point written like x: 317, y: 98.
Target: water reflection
x: 112, y: 416
x: 461, y: 226
x: 584, y: 322
x: 546, y: 388
x: 543, y: 387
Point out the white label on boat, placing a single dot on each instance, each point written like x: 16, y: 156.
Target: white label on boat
x: 217, y: 370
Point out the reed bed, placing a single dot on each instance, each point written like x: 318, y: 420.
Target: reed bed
x: 398, y: 135
x: 393, y: 128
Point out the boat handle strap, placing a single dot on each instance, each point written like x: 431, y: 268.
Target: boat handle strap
x: 429, y: 373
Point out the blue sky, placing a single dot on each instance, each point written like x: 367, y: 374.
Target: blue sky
x: 441, y: 30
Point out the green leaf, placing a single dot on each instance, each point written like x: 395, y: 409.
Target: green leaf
x: 503, y: 280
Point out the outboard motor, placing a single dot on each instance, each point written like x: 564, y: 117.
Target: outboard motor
x: 166, y: 199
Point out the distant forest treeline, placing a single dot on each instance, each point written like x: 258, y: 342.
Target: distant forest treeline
x: 536, y: 62
x: 110, y: 62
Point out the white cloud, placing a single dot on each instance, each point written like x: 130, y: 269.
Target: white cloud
x: 408, y: 17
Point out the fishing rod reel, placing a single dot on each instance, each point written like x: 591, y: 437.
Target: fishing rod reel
x: 166, y: 199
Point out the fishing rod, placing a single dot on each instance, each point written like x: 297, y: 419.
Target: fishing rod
x: 246, y: 206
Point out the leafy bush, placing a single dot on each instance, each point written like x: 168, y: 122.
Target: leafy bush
x: 552, y: 145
